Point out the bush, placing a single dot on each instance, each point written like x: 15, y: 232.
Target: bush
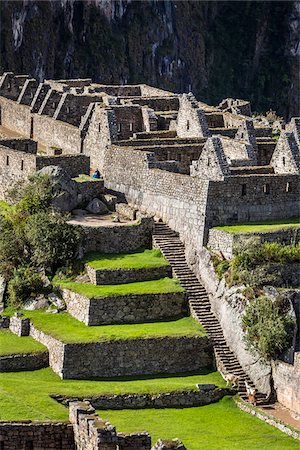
x: 35, y: 195
x: 269, y: 330
x: 25, y: 283
x: 53, y: 242
x: 252, y: 262
x: 13, y: 252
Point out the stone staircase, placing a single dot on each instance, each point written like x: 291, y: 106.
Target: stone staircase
x: 172, y: 248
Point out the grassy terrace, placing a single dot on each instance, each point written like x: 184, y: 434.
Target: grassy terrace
x: 263, y: 227
x: 139, y: 260
x: 219, y: 426
x: 69, y: 330
x: 162, y: 286
x: 19, y: 399
x: 11, y: 344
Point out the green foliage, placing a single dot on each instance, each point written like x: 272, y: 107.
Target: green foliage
x: 25, y: 283
x: 33, y: 236
x: 252, y: 263
x: 13, y: 250
x: 35, y: 195
x: 52, y: 241
x: 268, y: 329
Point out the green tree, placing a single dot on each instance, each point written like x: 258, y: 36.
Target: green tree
x: 52, y: 241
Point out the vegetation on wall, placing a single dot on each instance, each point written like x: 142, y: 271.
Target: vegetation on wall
x: 268, y: 328
x: 253, y: 260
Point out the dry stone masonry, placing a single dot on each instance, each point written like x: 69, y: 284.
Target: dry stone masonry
x: 189, y: 164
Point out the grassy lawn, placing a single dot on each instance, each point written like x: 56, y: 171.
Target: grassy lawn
x: 26, y: 395
x: 11, y: 344
x: 219, y: 426
x: 162, y: 286
x: 266, y: 226
x: 142, y: 259
x: 69, y: 330
x: 83, y: 177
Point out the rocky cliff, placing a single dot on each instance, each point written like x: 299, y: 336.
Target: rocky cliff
x: 214, y: 48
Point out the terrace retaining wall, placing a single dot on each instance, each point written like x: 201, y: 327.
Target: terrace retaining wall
x: 120, y: 276
x: 226, y: 243
x: 26, y: 361
x: 118, y: 239
x: 136, y: 357
x: 176, y: 399
x: 131, y: 308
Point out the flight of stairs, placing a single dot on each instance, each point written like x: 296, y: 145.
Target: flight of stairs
x: 172, y: 248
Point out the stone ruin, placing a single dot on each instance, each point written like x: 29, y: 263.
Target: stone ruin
x: 189, y: 164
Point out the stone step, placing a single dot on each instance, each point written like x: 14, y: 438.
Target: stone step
x: 199, y: 304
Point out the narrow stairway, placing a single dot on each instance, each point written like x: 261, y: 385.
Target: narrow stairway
x: 172, y: 248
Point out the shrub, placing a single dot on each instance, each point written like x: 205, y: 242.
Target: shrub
x: 13, y: 251
x: 35, y: 195
x: 269, y: 330
x: 24, y: 284
x: 53, y: 242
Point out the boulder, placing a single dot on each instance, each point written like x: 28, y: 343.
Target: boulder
x: 65, y: 191
x: 56, y: 302
x: 96, y: 206
x: 36, y: 303
x: 110, y: 201
x: 174, y: 444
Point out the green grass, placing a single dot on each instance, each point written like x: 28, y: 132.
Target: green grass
x: 11, y: 344
x: 139, y: 260
x: 83, y: 178
x: 219, y: 426
x: 69, y: 330
x: 266, y: 226
x: 162, y: 286
x: 4, y: 206
x: 26, y: 395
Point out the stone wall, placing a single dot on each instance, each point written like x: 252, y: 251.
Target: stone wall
x: 15, y: 116
x: 191, y: 120
x: 286, y: 382
x: 118, y: 239
x: 207, y: 394
x: 36, y: 435
x: 136, y: 357
x: 19, y: 325
x: 263, y: 197
x: 74, y: 165
x: 119, y: 276
x: 15, y: 167
x: 55, y: 347
x: 131, y: 308
x: 27, y: 361
x: 178, y: 199
x: 54, y: 133
x: 225, y: 242
x: 93, y: 433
